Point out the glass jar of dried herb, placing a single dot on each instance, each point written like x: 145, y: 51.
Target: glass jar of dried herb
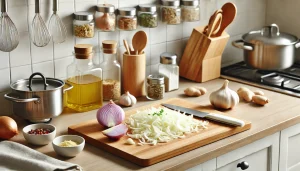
x: 105, y: 17
x: 155, y: 87
x: 83, y: 24
x: 190, y: 10
x: 170, y: 11
x: 127, y: 19
x: 147, y: 16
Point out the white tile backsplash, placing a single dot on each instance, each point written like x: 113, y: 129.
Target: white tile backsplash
x: 46, y: 68
x: 20, y: 72
x: 21, y: 55
x: 53, y: 59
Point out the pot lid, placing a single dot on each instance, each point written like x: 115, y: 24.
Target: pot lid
x: 37, y: 84
x: 270, y: 35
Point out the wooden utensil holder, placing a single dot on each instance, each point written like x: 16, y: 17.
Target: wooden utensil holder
x: 201, y: 60
x: 133, y: 75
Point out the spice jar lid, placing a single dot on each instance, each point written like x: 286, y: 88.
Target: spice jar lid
x: 190, y: 2
x: 155, y: 79
x: 83, y: 16
x: 175, y: 3
x: 168, y: 58
x: 147, y: 8
x: 109, y: 46
x: 127, y: 11
x: 105, y: 8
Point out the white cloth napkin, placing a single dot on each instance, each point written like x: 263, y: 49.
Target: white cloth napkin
x: 17, y: 157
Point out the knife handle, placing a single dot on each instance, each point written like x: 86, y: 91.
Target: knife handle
x: 225, y: 119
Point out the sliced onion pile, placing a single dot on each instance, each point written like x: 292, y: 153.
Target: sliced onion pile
x: 158, y: 125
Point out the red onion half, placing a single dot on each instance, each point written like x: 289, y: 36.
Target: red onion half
x: 110, y: 115
x: 116, y: 132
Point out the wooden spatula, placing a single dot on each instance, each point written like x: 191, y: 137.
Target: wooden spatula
x: 214, y: 26
x: 139, y: 41
x: 229, y: 13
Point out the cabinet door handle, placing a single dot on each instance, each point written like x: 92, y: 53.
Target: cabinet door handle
x: 243, y: 165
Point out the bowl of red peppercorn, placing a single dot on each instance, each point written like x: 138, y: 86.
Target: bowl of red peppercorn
x: 39, y: 134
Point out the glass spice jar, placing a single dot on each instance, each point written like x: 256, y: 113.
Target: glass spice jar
x: 105, y: 17
x: 111, y: 71
x: 170, y: 11
x: 170, y: 70
x: 155, y: 87
x: 127, y: 19
x: 83, y: 24
x: 190, y: 10
x: 147, y: 16
x: 86, y: 79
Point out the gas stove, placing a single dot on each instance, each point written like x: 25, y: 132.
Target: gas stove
x: 285, y: 81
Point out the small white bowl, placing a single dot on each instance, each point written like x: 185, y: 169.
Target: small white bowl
x: 39, y: 139
x: 68, y: 151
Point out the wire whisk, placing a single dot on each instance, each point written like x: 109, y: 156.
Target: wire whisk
x: 56, y: 27
x: 39, y: 34
x: 9, y: 36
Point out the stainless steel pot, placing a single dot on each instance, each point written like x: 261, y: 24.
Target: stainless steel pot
x: 37, y: 99
x: 268, y: 49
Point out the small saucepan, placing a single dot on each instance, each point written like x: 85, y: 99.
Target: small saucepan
x: 268, y: 49
x: 37, y: 99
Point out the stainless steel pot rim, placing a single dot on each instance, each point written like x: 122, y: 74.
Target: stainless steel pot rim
x: 13, y: 85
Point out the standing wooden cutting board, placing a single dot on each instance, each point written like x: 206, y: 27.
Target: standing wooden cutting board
x: 147, y: 155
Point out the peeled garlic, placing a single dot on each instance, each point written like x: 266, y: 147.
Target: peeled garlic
x: 261, y: 100
x: 130, y: 141
x: 127, y: 99
x: 246, y: 95
x: 195, y: 91
x: 224, y: 98
x: 258, y: 92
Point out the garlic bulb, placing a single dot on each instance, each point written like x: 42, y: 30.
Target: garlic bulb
x: 127, y: 99
x: 224, y: 98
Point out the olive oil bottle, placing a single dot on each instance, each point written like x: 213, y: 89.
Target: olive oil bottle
x: 86, y: 79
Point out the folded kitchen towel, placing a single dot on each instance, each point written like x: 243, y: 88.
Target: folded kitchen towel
x: 15, y: 156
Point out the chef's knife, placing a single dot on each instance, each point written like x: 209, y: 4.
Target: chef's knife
x: 211, y: 116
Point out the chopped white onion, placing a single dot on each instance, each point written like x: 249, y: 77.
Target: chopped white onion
x: 160, y: 125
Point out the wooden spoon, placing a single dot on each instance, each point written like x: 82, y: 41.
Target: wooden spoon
x: 139, y: 41
x: 229, y: 13
x: 126, y: 46
x: 214, y: 26
x: 211, y: 20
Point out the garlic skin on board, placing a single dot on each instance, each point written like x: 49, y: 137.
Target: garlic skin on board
x: 224, y: 98
x: 127, y: 99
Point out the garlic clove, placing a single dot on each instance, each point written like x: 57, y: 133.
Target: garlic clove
x: 192, y: 92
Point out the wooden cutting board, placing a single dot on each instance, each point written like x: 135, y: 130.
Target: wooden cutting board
x: 147, y: 155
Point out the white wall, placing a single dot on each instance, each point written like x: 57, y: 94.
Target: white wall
x: 53, y: 59
x: 285, y: 13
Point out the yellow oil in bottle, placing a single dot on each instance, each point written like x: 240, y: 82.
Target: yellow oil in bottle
x: 86, y: 93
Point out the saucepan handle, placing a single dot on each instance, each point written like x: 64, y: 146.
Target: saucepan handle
x: 69, y: 88
x: 297, y: 45
x: 18, y: 100
x: 241, y: 45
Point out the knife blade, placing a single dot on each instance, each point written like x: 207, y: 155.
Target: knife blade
x: 211, y: 116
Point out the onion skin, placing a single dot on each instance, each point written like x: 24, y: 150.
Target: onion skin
x: 116, y: 132
x: 110, y: 115
x: 8, y: 127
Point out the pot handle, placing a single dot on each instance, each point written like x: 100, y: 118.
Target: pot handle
x: 69, y: 88
x: 18, y: 100
x: 43, y: 77
x: 238, y: 44
x: 297, y: 45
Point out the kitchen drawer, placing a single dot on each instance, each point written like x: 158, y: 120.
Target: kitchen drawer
x: 207, y: 166
x: 289, y: 159
x: 261, y: 155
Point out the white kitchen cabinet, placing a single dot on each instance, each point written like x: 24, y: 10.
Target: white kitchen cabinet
x: 207, y: 166
x: 261, y: 155
x: 289, y: 159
